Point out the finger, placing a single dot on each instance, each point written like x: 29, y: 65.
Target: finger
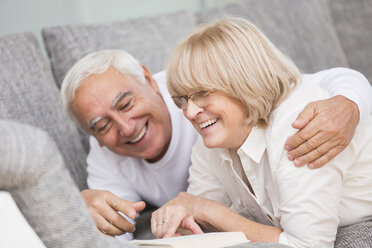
x: 308, y: 146
x: 121, y: 222
x: 191, y: 225
x: 165, y: 213
x: 138, y: 206
x: 109, y: 212
x: 179, y: 215
x: 304, y: 117
x: 326, y: 157
x: 316, y: 153
x: 158, y: 222
x: 165, y: 221
x: 301, y: 136
x: 153, y: 221
x: 171, y: 228
x: 102, y: 232
x: 106, y: 227
x: 122, y: 205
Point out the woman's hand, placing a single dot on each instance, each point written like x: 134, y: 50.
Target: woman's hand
x: 175, y: 214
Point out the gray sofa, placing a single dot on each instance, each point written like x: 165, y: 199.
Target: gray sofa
x: 316, y: 34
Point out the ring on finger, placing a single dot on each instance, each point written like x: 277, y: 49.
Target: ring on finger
x: 163, y: 222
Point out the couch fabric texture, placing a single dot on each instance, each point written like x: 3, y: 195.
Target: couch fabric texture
x: 33, y: 171
x: 353, y: 22
x: 149, y: 39
x: 302, y: 30
x: 29, y: 95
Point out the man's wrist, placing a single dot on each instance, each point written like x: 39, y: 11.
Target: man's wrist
x: 354, y: 103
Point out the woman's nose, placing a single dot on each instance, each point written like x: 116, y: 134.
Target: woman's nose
x: 192, y: 110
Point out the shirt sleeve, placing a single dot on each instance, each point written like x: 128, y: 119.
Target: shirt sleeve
x: 104, y: 173
x: 202, y: 180
x: 349, y: 83
x: 309, y: 200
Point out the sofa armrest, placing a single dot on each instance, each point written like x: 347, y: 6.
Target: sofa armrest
x: 33, y: 172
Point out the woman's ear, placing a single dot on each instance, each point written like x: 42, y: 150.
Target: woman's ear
x: 150, y: 80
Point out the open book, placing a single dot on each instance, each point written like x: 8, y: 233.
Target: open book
x: 206, y: 240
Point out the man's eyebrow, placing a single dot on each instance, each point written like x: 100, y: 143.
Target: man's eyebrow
x: 119, y: 97
x: 92, y: 123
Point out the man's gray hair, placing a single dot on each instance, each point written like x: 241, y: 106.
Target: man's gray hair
x: 97, y: 63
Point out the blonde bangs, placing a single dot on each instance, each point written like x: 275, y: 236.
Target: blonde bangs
x: 234, y: 57
x: 194, y: 65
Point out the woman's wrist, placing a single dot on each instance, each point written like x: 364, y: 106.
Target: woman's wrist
x: 204, y: 211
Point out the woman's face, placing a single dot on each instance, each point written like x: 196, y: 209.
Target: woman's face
x: 220, y: 121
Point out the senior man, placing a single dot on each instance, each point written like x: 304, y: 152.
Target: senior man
x: 140, y: 142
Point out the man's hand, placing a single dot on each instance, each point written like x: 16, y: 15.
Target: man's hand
x: 175, y: 215
x: 103, y: 206
x: 326, y: 128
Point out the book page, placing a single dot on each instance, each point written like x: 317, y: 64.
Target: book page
x: 206, y: 240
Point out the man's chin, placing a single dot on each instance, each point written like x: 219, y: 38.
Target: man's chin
x: 151, y: 156
x: 154, y: 157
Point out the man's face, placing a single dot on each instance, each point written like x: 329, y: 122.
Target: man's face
x: 122, y: 114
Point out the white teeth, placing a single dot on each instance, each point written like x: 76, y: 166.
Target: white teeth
x: 140, y: 135
x: 208, y: 123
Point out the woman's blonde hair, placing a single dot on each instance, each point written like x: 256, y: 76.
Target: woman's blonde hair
x: 231, y: 55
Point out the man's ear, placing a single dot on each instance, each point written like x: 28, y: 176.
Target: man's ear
x: 150, y: 80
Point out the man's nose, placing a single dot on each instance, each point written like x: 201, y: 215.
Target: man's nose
x: 125, y: 126
x: 192, y: 110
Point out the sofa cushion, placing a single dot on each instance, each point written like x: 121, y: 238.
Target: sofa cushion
x: 353, y: 22
x: 355, y: 236
x: 303, y: 30
x: 148, y: 39
x: 29, y: 95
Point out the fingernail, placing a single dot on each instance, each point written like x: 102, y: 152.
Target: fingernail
x: 132, y: 213
x: 290, y: 157
x: 287, y: 147
x: 296, y: 121
x: 297, y: 162
x: 311, y: 166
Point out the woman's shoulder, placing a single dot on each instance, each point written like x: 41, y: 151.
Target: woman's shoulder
x: 281, y: 118
x: 308, y: 90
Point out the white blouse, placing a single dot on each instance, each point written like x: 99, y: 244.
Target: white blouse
x: 309, y: 205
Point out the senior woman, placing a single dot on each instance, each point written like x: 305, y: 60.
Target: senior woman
x: 241, y: 94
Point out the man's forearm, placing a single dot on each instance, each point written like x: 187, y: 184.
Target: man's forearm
x: 351, y: 84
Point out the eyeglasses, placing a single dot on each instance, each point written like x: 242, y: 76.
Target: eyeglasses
x: 199, y: 98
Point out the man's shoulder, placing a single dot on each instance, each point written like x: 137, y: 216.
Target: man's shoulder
x: 160, y: 77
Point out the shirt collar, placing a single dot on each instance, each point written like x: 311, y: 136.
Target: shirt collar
x: 254, y: 145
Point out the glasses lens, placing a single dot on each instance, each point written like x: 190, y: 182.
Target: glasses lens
x: 200, y: 98
x: 180, y: 102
